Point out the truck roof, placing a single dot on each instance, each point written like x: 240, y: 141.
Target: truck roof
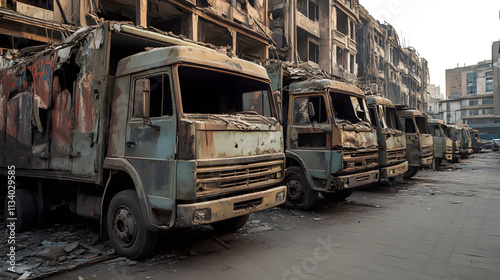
x: 375, y: 99
x: 409, y: 112
x: 322, y: 84
x: 436, y: 121
x: 164, y: 56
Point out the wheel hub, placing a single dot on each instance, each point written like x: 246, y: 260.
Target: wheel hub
x: 294, y: 190
x: 124, y: 225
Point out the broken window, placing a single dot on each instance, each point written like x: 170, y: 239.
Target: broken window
x: 408, y: 125
x: 392, y: 118
x: 342, y: 22
x: 352, y: 30
x: 302, y: 6
x: 351, y: 64
x: 313, y: 52
x: 349, y: 108
x: 48, y: 5
x: 445, y: 131
x: 160, y: 98
x: 206, y: 91
x: 340, y: 57
x: 436, y: 131
x: 422, y: 125
x: 313, y: 11
x: 309, y: 110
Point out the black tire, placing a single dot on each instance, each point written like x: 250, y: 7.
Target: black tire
x: 412, y: 171
x: 339, y: 195
x: 25, y: 210
x: 299, y: 193
x: 230, y: 225
x: 126, y: 229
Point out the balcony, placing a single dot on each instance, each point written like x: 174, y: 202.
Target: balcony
x: 308, y: 25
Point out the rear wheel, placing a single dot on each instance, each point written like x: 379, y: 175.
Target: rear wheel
x: 126, y: 229
x: 230, y: 225
x: 23, y: 212
x: 412, y: 171
x: 299, y: 193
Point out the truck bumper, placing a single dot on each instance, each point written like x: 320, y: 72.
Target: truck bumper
x: 225, y: 208
x: 426, y: 161
x: 355, y: 180
x: 394, y: 170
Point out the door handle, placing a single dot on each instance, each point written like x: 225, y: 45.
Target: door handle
x: 130, y: 144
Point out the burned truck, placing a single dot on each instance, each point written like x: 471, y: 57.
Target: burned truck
x: 391, y: 138
x: 465, y: 141
x: 443, y: 145
x: 419, y: 150
x: 330, y: 144
x: 456, y: 142
x: 476, y: 143
x: 157, y: 135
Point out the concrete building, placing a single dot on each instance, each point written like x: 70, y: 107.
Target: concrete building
x: 469, y: 80
x: 241, y: 25
x: 473, y: 89
x: 387, y: 67
x: 321, y: 32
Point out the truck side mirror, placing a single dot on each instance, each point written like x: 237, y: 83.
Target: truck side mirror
x: 311, y: 111
x: 141, y: 98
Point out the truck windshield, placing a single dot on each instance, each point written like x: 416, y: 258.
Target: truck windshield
x: 208, y: 91
x: 391, y: 118
x: 422, y: 125
x: 350, y: 108
x: 446, y: 132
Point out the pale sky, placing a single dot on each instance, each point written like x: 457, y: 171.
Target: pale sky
x: 444, y: 32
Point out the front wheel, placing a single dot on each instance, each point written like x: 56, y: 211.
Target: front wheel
x: 230, y: 225
x: 338, y: 195
x: 127, y: 231
x: 412, y: 171
x: 299, y: 193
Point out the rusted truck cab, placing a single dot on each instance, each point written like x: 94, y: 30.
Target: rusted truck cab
x: 141, y: 139
x: 419, y: 150
x: 391, y: 139
x: 443, y: 145
x: 455, y: 138
x: 330, y: 144
x: 476, y: 143
x: 466, y: 141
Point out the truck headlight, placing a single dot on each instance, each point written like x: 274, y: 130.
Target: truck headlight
x: 202, y: 215
x: 280, y: 196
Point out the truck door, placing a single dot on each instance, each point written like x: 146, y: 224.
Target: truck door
x: 310, y: 132
x: 151, y: 141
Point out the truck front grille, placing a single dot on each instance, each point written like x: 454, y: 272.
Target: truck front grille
x: 427, y: 151
x: 396, y: 156
x: 223, y: 179
x: 354, y: 162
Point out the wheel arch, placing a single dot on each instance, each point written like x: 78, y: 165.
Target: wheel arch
x: 123, y: 176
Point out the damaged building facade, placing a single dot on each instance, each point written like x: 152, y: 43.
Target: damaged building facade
x: 387, y: 67
x: 320, y: 32
x: 240, y: 25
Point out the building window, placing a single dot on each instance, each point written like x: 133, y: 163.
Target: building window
x: 342, y: 22
x: 489, y: 84
x: 48, y: 5
x: 352, y: 30
x: 351, y: 64
x: 472, y: 83
x: 313, y: 11
x: 313, y: 52
x: 340, y: 57
x: 473, y: 102
x: 473, y: 112
x: 487, y: 101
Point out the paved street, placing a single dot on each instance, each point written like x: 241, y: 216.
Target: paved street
x: 438, y: 225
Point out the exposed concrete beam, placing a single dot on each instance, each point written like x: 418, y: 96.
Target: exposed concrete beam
x: 141, y: 13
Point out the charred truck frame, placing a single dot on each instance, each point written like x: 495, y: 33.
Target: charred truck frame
x: 159, y: 134
x: 390, y: 135
x: 330, y: 144
x: 443, y: 145
x: 419, y: 145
